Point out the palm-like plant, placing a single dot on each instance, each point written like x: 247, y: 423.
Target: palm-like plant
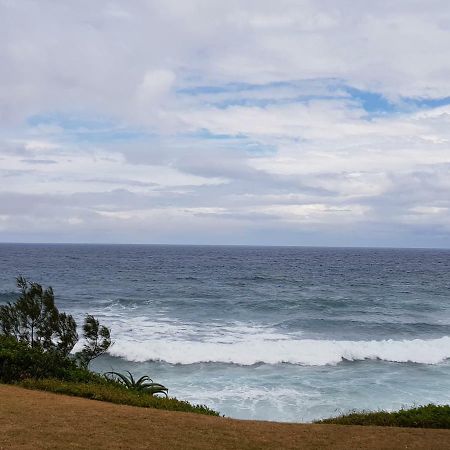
x: 145, y: 383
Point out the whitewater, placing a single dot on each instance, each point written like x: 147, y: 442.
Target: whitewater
x: 275, y: 333
x: 306, y: 352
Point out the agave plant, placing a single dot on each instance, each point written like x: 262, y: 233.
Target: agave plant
x: 145, y: 383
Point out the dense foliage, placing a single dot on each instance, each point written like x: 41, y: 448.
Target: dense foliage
x: 97, y: 341
x: 34, y: 320
x: 18, y: 361
x: 429, y: 416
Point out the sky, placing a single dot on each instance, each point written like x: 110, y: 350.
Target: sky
x: 322, y: 122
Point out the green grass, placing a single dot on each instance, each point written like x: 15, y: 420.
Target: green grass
x: 114, y: 393
x: 429, y: 416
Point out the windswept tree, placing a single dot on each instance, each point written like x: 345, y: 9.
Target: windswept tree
x: 97, y: 341
x: 35, y: 320
x: 66, y: 333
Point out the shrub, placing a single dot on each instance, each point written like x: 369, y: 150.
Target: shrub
x: 18, y: 362
x: 429, y: 416
x: 145, y: 383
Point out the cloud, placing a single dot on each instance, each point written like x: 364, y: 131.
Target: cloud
x: 311, y: 122
x: 101, y: 55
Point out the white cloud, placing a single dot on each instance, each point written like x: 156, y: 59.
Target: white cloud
x: 244, y: 125
x: 155, y: 84
x: 96, y: 55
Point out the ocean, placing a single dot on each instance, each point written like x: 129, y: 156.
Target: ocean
x: 278, y: 333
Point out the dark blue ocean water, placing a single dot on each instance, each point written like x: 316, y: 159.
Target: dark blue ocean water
x: 261, y: 332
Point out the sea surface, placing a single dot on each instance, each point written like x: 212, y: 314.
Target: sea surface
x: 279, y: 333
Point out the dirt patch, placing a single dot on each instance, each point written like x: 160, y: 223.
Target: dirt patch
x: 40, y: 420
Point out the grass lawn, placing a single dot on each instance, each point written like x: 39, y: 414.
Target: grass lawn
x: 42, y: 420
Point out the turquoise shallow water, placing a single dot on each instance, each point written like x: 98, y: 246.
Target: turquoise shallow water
x: 285, y: 334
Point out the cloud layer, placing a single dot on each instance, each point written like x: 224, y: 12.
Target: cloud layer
x: 295, y: 122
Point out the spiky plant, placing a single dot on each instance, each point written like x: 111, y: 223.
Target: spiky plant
x: 144, y: 383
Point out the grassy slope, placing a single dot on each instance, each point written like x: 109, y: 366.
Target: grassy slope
x: 115, y: 393
x: 429, y: 416
x: 42, y: 420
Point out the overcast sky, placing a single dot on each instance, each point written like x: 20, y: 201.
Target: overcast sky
x: 322, y: 122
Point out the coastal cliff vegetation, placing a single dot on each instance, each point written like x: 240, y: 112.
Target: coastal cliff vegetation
x: 36, y: 352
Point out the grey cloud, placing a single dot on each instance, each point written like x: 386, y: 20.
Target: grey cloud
x: 120, y: 181
x: 39, y: 161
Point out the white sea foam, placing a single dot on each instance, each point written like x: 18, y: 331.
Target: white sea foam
x: 295, y: 351
x: 142, y: 339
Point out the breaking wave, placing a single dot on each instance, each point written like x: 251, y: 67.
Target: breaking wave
x: 306, y: 352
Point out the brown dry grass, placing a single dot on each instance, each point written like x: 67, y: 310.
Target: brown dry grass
x: 41, y: 420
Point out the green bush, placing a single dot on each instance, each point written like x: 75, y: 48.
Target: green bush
x: 111, y: 391
x: 35, y: 320
x: 429, y: 416
x: 144, y: 383
x: 18, y: 362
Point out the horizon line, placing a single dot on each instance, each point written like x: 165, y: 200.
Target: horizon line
x: 381, y: 247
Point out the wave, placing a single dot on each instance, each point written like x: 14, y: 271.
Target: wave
x: 308, y: 352
x: 8, y: 297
